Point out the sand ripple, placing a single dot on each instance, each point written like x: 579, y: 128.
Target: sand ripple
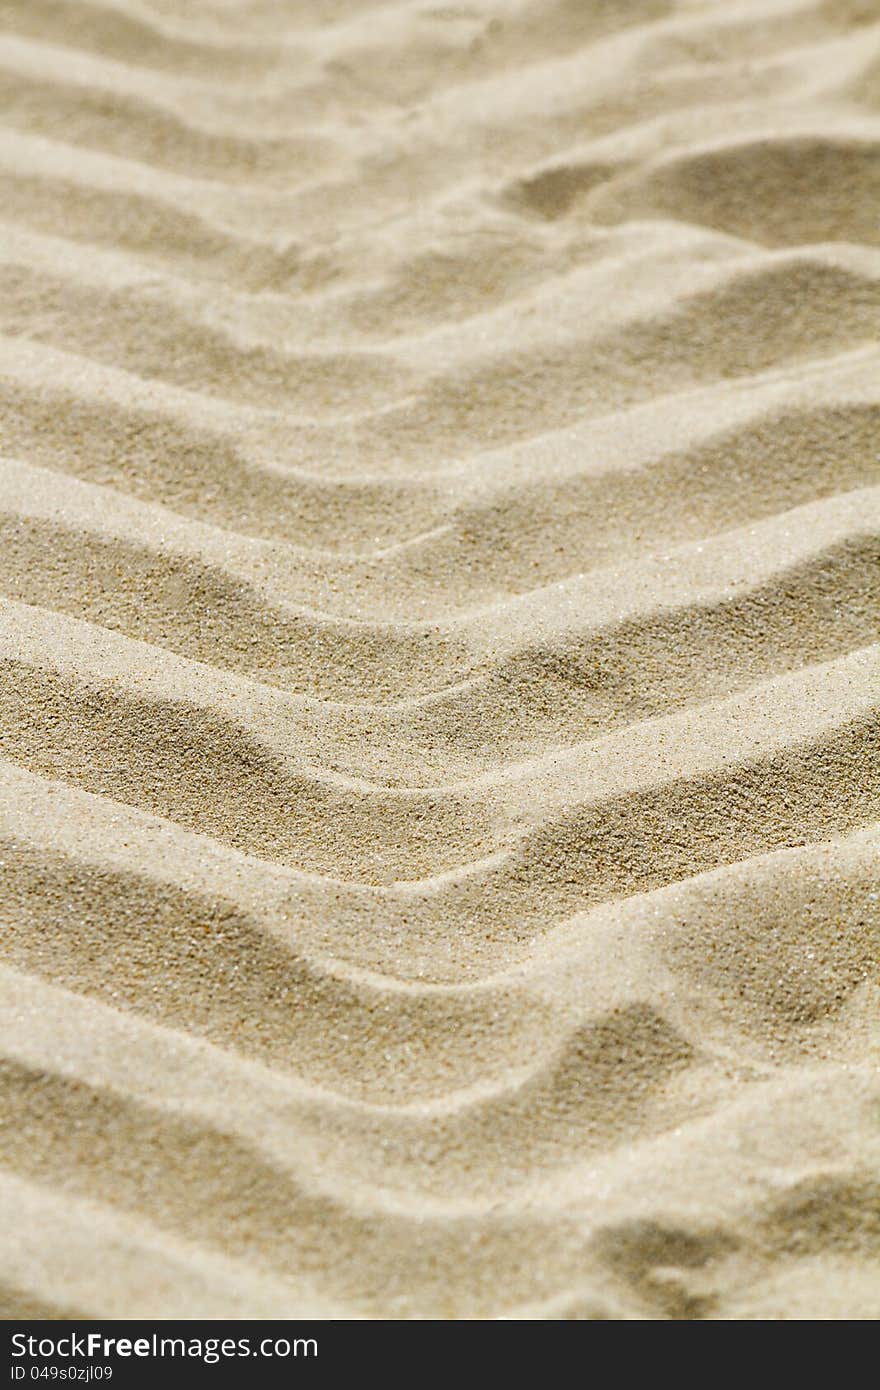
x: 440, y: 650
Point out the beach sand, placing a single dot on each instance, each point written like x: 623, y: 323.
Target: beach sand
x: 439, y: 595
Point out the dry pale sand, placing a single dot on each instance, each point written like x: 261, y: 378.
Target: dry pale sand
x: 439, y: 578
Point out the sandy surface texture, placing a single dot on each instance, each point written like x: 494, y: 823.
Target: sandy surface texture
x: 439, y: 595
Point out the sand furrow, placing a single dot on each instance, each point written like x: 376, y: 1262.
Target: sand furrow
x: 774, y: 445
x: 188, y: 927
x: 549, y: 837
x: 126, y: 565
x: 131, y: 34
x: 675, y: 645
x: 134, y: 128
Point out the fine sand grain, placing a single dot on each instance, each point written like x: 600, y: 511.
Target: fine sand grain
x: 440, y: 641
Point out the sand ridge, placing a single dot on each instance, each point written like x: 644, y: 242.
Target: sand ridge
x: 440, y: 652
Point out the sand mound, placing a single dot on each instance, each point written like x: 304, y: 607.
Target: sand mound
x: 440, y: 652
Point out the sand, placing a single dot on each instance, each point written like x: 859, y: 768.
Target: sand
x: 439, y: 617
